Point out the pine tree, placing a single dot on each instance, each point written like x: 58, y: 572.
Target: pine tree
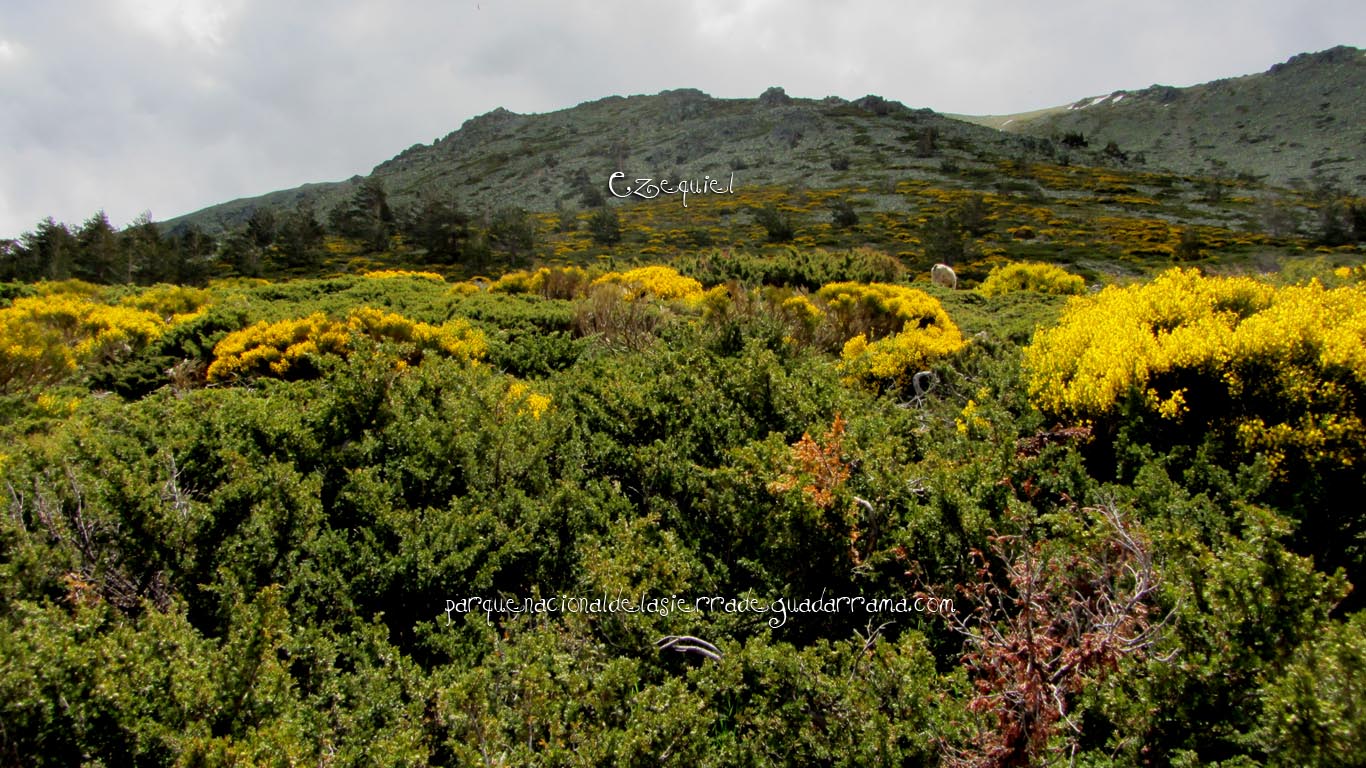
x: 605, y: 226
x: 50, y: 250
x: 299, y: 238
x: 366, y: 216
x: 145, y: 258
x: 512, y: 233
x: 98, y: 254
x: 440, y: 228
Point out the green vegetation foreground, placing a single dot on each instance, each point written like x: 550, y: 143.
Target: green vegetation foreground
x: 236, y: 514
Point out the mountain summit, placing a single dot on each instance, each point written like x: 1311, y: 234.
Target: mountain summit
x: 1301, y: 118
x: 550, y: 161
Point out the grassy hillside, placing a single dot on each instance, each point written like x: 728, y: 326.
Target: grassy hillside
x: 1295, y: 121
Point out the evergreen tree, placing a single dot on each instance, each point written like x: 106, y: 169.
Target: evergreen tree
x: 590, y: 194
x: 945, y: 239
x: 191, y: 254
x: 366, y: 216
x: 261, y: 227
x: 777, y: 224
x: 927, y: 143
x: 605, y: 226
x: 441, y: 228
x: 512, y: 233
x: 973, y: 215
x: 843, y: 215
x: 98, y: 256
x: 242, y: 254
x: 10, y: 257
x: 50, y: 251
x: 145, y: 258
x: 299, y: 238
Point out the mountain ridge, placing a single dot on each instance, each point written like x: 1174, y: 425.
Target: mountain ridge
x: 546, y: 161
x: 549, y: 161
x: 1277, y: 125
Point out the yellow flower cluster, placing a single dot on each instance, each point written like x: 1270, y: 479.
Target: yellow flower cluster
x: 176, y: 303
x: 392, y: 274
x: 658, y: 281
x: 43, y: 338
x: 880, y: 309
x: 1132, y: 200
x: 72, y: 286
x: 525, y: 400
x: 519, y: 281
x: 550, y: 282
x: 339, y: 246
x: 274, y: 348
x: 893, y: 331
x: 1139, y: 237
x: 1030, y: 276
x: 718, y: 302
x: 1080, y: 177
x: 799, y: 310
x: 969, y: 421
x: 1294, y: 358
x: 52, y: 405
x: 1350, y: 273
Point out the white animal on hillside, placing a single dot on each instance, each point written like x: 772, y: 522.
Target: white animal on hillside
x: 942, y: 274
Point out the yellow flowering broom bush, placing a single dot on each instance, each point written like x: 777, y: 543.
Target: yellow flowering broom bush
x: 801, y: 317
x: 1283, y: 368
x: 521, y: 400
x: 517, y: 281
x: 176, y: 303
x: 658, y: 281
x: 1031, y: 276
x: 550, y: 282
x: 44, y: 338
x: 286, y: 347
x: 889, y: 332
x: 402, y: 274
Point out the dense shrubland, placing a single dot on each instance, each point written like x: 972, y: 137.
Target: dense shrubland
x: 979, y: 216
x: 236, y: 507
x: 234, y: 516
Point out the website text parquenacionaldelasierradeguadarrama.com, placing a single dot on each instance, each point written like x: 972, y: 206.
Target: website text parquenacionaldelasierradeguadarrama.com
x: 777, y: 609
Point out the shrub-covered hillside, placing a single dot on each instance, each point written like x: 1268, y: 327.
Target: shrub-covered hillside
x: 862, y: 520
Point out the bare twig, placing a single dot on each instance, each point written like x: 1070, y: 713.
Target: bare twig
x: 689, y: 644
x: 869, y: 641
x: 923, y: 383
x: 1035, y: 637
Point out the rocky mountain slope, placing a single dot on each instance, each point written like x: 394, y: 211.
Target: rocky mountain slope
x: 1299, y: 121
x: 548, y: 161
x: 1301, y: 118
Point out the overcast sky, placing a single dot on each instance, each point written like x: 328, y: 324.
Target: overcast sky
x: 172, y: 105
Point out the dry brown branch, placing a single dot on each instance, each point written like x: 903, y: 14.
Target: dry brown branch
x: 1045, y: 627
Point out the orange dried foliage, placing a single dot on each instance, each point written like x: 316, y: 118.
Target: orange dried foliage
x: 818, y: 469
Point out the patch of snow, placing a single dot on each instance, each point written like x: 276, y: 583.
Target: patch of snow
x: 1117, y: 98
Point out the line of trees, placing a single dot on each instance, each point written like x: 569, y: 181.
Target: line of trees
x: 97, y: 252
x: 270, y: 241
